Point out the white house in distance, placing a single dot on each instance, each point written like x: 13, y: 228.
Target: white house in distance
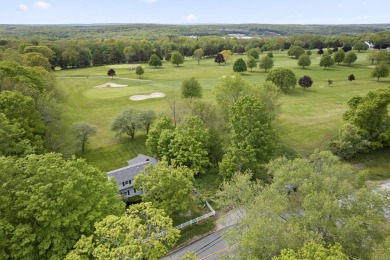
x: 124, y: 177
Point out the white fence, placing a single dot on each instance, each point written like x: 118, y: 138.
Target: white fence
x: 196, y: 220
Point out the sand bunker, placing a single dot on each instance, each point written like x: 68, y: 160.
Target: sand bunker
x: 110, y: 85
x: 152, y: 95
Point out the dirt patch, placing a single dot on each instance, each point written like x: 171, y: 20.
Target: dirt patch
x: 110, y: 85
x: 143, y: 97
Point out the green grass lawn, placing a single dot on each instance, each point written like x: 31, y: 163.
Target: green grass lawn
x: 308, y: 119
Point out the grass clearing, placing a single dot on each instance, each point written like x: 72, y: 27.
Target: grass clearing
x: 308, y: 119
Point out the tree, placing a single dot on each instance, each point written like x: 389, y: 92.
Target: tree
x: 304, y: 61
x: 380, y: 71
x: 282, y: 77
x: 219, y: 58
x: 371, y: 56
x: 12, y: 139
x: 139, y: 71
x: 254, y: 52
x: 229, y: 90
x: 313, y: 250
x: 253, y: 138
x: 147, y: 118
x: 35, y: 59
x: 351, y: 77
x: 19, y: 111
x: 251, y: 62
x: 227, y: 54
x: 155, y: 61
x: 48, y: 203
x: 239, y: 65
x: 305, y: 82
x: 143, y: 232
x: 82, y: 132
x: 320, y: 51
x: 366, y: 125
x: 153, y: 137
x: 198, y: 54
x: 350, y: 57
x: 339, y: 56
x: 166, y: 187
x: 190, y: 88
x: 326, y: 61
x: 188, y: 146
x: 127, y: 122
x: 111, y: 73
x: 318, y: 199
x: 295, y: 51
x: 360, y: 46
x: 177, y: 58
x: 266, y: 63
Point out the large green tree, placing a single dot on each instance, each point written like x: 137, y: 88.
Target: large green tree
x: 82, y: 132
x: 127, y: 122
x: 177, y: 58
x: 161, y: 124
x: 366, y: 124
x: 239, y: 66
x: 350, y: 57
x: 254, y: 52
x: 229, y: 90
x: 339, y: 56
x: 143, y: 232
x: 253, y: 137
x: 251, y: 62
x: 189, y: 145
x: 266, y: 63
x: 304, y: 61
x: 316, y: 199
x: 380, y: 71
x: 155, y: 61
x: 191, y: 88
x: 166, y: 187
x: 48, y: 203
x: 36, y: 59
x: 326, y: 61
x: 282, y: 77
x: 295, y: 51
x: 20, y: 111
x: 198, y: 54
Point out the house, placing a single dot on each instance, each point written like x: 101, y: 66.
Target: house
x: 124, y: 177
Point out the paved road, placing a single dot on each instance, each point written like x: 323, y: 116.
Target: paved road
x: 206, y: 248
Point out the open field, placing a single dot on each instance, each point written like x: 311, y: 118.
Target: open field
x: 308, y: 118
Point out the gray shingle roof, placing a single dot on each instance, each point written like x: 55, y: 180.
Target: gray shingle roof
x: 136, y: 165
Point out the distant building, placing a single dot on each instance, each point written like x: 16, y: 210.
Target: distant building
x: 124, y: 177
x: 370, y: 45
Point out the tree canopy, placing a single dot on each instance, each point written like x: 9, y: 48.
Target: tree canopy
x: 239, y: 65
x: 326, y: 61
x: 155, y: 61
x: 316, y: 199
x: 295, y: 51
x: 304, y: 61
x: 48, y: 203
x: 82, y: 132
x: 251, y: 62
x: 219, y: 58
x: 266, y: 63
x: 177, y: 58
x: 198, y: 54
x: 143, y: 232
x: 282, y: 77
x: 190, y: 88
x: 127, y: 122
x: 166, y: 187
x: 380, y: 71
x: 305, y: 82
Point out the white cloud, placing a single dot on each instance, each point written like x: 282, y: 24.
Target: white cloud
x: 149, y: 1
x: 41, y: 5
x: 23, y: 7
x: 191, y: 17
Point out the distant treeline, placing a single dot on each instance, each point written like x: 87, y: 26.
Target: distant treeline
x: 76, y: 53
x: 155, y: 31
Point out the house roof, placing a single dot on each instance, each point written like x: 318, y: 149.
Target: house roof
x: 136, y: 165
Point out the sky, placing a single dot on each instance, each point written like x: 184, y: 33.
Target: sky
x: 194, y: 11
